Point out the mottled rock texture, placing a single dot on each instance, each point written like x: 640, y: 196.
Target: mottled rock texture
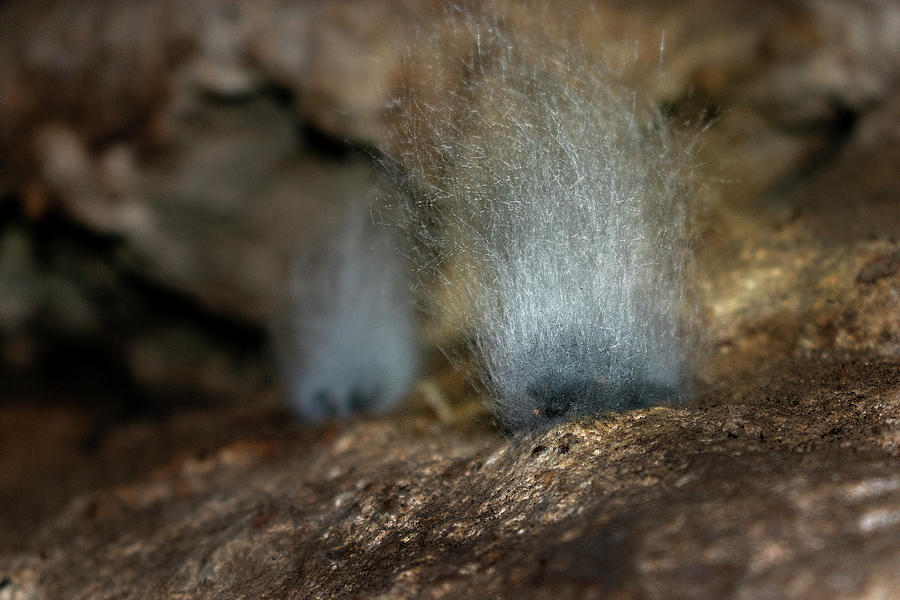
x: 782, y: 483
x: 159, y: 161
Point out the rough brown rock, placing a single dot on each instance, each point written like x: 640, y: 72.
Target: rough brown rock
x: 779, y: 484
x: 108, y: 141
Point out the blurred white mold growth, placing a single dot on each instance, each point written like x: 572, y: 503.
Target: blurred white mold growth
x: 346, y: 335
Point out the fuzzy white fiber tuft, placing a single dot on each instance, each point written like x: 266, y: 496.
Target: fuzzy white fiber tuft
x: 346, y: 337
x: 561, y: 210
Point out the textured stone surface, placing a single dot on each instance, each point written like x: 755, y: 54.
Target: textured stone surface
x: 782, y: 483
x: 811, y: 270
